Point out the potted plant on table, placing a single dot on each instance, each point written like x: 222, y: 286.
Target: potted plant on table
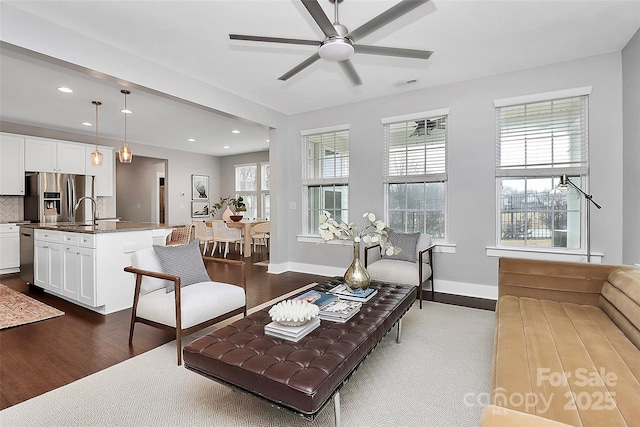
x: 228, y: 214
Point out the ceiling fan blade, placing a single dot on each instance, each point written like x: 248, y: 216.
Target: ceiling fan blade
x: 384, y: 18
x: 273, y: 39
x: 347, y: 67
x: 392, y: 51
x: 319, y: 16
x: 313, y: 58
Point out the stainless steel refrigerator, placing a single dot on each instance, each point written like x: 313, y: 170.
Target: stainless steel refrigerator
x: 52, y: 197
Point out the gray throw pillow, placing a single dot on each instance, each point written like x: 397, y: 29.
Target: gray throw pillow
x: 405, y: 241
x: 184, y: 261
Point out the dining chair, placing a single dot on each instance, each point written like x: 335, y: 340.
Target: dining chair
x: 180, y: 235
x: 260, y: 234
x: 203, y: 232
x: 226, y: 235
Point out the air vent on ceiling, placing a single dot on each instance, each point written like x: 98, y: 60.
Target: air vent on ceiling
x: 402, y: 83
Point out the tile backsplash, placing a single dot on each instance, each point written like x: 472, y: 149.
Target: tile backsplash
x: 11, y: 208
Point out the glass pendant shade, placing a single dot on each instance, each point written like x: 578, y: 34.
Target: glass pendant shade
x: 96, y: 156
x: 125, y: 154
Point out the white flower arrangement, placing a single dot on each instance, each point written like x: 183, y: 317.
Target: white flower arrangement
x: 373, y: 231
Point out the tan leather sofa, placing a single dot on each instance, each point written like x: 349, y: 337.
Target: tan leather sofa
x: 567, y: 345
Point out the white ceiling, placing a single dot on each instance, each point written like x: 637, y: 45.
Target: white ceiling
x: 470, y: 39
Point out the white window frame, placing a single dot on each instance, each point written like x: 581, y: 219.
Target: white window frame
x: 245, y: 193
x: 308, y: 182
x: 551, y: 171
x: 419, y: 178
x: 264, y: 190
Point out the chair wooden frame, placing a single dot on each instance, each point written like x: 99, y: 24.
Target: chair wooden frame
x: 429, y: 253
x: 178, y: 329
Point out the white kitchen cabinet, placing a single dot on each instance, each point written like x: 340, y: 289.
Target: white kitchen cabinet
x: 9, y: 248
x: 48, y: 155
x: 65, y: 264
x: 47, y: 263
x: 104, y: 174
x: 87, y: 292
x: 11, y: 165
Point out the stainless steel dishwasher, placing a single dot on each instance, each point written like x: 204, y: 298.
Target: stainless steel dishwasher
x: 26, y: 254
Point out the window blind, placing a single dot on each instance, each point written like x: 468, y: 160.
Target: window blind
x: 416, y: 150
x: 542, y: 138
x: 326, y: 158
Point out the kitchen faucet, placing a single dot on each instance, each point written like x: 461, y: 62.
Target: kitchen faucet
x: 93, y: 219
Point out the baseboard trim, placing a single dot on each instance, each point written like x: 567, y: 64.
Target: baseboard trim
x: 462, y: 300
x: 448, y: 292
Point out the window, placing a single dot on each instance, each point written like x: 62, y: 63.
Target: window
x: 246, y: 187
x: 415, y: 173
x: 264, y: 189
x: 537, y: 142
x: 326, y: 175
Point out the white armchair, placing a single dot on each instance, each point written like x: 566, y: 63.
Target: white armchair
x: 160, y: 300
x: 418, y: 273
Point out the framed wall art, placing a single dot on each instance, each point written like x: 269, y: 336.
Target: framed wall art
x: 199, y: 187
x: 199, y: 209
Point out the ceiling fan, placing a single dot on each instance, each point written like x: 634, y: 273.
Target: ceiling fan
x: 340, y: 44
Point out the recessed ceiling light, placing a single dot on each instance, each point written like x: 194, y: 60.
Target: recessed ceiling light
x: 191, y: 140
x: 226, y: 146
x: 87, y: 124
x: 268, y: 140
x: 126, y: 111
x: 65, y: 89
x: 235, y: 131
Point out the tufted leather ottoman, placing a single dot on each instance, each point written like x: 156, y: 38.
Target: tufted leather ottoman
x: 300, y: 376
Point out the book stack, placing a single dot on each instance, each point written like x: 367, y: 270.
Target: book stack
x: 359, y: 295
x: 291, y: 333
x: 316, y: 297
x: 339, y: 310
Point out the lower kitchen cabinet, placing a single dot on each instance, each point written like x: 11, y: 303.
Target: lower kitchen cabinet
x: 63, y: 265
x: 79, y: 273
x: 47, y: 262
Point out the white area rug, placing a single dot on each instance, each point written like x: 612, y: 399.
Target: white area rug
x: 435, y: 377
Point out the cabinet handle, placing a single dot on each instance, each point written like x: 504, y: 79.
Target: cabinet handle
x: 45, y: 247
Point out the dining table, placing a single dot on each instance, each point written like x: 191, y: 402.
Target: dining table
x: 246, y: 225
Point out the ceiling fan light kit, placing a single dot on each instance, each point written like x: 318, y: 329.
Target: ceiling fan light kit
x: 336, y: 49
x: 339, y: 44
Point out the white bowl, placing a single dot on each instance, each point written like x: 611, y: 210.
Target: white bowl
x: 293, y: 312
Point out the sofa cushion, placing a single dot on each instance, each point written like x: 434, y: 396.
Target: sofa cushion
x: 405, y: 241
x: 200, y: 302
x: 184, y: 261
x: 565, y: 362
x: 620, y: 299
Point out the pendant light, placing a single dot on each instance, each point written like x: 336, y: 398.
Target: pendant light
x: 96, y: 156
x: 125, y: 154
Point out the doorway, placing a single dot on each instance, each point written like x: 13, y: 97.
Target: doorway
x: 141, y: 196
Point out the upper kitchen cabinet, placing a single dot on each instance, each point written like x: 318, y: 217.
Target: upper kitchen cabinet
x: 104, y: 174
x: 47, y: 155
x: 11, y: 165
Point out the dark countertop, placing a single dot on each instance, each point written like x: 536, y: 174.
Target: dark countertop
x: 102, y: 227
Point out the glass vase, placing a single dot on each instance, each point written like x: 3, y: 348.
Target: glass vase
x: 356, y: 276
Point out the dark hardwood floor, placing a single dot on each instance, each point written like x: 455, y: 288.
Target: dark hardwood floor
x: 39, y: 357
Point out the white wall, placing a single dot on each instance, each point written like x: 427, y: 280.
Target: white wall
x: 472, y: 184
x: 631, y: 105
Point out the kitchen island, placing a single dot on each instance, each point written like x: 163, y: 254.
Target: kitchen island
x: 84, y: 263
